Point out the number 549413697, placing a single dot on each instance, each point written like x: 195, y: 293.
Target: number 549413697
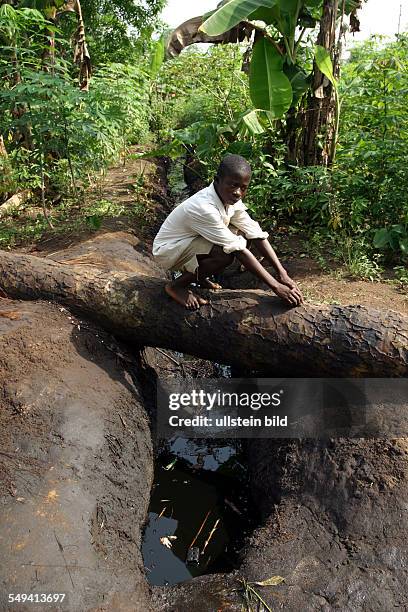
x: 36, y: 597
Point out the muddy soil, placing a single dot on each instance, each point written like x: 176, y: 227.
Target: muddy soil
x: 76, y: 463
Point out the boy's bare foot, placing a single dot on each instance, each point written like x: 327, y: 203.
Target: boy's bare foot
x: 207, y: 284
x: 185, y: 297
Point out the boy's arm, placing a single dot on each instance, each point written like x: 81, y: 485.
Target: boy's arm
x: 210, y: 226
x: 253, y: 231
x: 290, y: 295
x: 250, y: 228
x: 265, y: 249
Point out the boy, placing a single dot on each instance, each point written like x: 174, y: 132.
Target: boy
x: 195, y: 238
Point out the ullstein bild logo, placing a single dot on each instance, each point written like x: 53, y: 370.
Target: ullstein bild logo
x: 228, y: 421
x: 283, y: 408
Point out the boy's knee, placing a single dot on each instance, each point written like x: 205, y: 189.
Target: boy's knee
x: 227, y: 258
x: 219, y: 254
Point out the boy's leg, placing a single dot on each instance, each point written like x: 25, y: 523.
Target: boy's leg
x: 209, y: 264
x: 178, y: 290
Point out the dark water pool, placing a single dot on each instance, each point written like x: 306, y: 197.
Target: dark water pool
x: 200, y: 505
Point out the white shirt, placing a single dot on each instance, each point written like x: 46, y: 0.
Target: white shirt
x: 204, y: 215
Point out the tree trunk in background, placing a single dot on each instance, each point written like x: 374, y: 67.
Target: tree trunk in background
x: 311, y: 130
x: 14, y: 203
x: 3, y: 151
x: 259, y: 332
x: 5, y: 171
x: 320, y: 110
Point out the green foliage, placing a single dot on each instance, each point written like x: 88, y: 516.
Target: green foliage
x: 277, y: 49
x: 277, y: 52
x: 269, y: 86
x: 363, y: 196
x: 372, y: 173
x: 57, y: 136
x: 118, y: 30
x: 401, y: 274
x: 231, y: 14
x: 199, y: 102
x: 394, y: 238
x: 325, y: 65
x: 157, y: 57
x: 358, y: 263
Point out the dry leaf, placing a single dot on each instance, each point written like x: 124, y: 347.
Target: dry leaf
x: 271, y: 581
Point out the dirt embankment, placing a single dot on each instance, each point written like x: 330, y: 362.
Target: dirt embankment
x: 76, y: 463
x: 76, y: 454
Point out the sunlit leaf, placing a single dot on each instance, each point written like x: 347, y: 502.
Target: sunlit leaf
x: 273, y: 581
x: 251, y: 121
x: 404, y: 246
x: 157, y: 57
x: 270, y: 88
x: 324, y: 63
x: 231, y: 14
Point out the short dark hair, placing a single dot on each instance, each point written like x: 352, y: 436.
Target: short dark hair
x: 233, y: 164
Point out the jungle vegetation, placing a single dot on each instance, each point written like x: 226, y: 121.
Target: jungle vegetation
x: 325, y: 131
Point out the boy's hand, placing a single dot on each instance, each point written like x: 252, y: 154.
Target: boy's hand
x: 285, y: 279
x: 289, y: 295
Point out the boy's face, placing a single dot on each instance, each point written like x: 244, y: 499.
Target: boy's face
x: 232, y: 187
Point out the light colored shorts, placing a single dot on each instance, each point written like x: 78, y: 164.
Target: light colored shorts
x: 187, y: 262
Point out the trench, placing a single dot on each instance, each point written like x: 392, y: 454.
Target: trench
x: 201, y: 511
x: 295, y: 509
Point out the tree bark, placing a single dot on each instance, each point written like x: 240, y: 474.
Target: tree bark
x: 3, y: 150
x: 320, y: 110
x: 258, y: 332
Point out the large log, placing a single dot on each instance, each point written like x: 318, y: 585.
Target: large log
x: 251, y: 329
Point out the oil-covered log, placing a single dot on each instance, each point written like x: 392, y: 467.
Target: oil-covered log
x: 251, y: 329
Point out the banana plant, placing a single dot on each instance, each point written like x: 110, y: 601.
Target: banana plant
x: 276, y: 80
x: 52, y: 9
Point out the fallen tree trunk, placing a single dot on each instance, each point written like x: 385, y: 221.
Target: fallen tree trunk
x: 258, y: 332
